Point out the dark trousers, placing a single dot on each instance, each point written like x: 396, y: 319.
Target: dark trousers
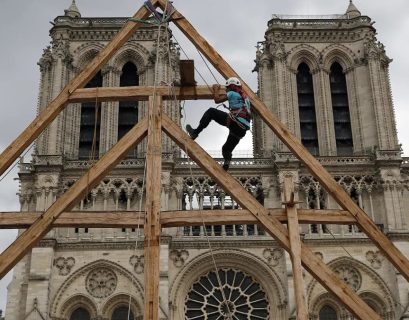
x: 223, y: 118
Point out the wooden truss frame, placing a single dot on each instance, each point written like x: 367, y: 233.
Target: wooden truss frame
x: 59, y: 214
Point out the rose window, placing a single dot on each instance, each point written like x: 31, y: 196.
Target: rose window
x: 101, y: 282
x: 350, y: 276
x: 243, y: 297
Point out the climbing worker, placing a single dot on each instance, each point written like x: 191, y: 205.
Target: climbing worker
x: 237, y: 120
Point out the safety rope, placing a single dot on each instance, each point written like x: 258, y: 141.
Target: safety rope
x: 242, y: 126
x: 229, y: 316
x: 138, y: 236
x: 16, y: 163
x: 172, y: 90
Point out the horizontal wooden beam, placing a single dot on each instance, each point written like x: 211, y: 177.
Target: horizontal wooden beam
x: 126, y: 219
x: 215, y: 217
x: 141, y: 93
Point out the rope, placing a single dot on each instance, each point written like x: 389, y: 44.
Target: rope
x: 187, y: 57
x: 229, y: 315
x: 138, y: 235
x: 157, y: 17
x: 171, y: 89
x: 16, y: 163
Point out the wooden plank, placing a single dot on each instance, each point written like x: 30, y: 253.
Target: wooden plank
x: 45, y: 117
x: 293, y: 143
x: 153, y: 205
x: 169, y: 219
x: 70, y: 198
x: 295, y: 250
x: 310, y: 261
x: 141, y: 93
x: 216, y: 217
x: 73, y: 219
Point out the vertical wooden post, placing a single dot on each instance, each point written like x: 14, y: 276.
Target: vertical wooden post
x: 153, y: 202
x: 295, y: 248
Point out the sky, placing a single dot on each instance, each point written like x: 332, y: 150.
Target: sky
x: 233, y: 27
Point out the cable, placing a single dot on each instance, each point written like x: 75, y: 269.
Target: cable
x: 15, y: 163
x: 187, y: 57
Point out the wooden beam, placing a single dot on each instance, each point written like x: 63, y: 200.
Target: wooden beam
x: 293, y: 143
x: 169, y: 219
x: 73, y: 219
x: 70, y: 198
x: 153, y: 205
x: 310, y: 261
x: 216, y: 217
x: 295, y: 251
x: 141, y: 93
x: 45, y: 117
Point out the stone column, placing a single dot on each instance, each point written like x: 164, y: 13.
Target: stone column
x: 354, y: 111
x: 262, y: 136
x: 323, y: 111
x: 381, y: 96
x: 280, y: 98
x: 62, y: 58
x: 46, y: 68
x: 109, y: 111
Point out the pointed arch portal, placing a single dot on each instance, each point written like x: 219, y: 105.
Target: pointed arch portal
x: 152, y: 127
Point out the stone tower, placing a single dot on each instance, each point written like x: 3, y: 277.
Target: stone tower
x: 326, y: 78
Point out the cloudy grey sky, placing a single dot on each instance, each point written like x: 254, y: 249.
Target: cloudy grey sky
x: 233, y: 27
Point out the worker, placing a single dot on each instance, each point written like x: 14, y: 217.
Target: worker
x: 237, y: 120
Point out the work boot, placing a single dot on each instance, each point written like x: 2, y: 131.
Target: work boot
x: 192, y: 132
x: 226, y: 164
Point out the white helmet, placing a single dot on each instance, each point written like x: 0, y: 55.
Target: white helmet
x: 233, y: 80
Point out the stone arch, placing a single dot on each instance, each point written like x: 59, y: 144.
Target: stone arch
x: 383, y: 296
x: 322, y: 300
x: 131, y: 52
x: 275, y: 290
x: 75, y: 302
x: 374, y: 301
x: 85, y: 53
x: 338, y: 53
x: 62, y: 293
x: 121, y: 300
x: 304, y: 53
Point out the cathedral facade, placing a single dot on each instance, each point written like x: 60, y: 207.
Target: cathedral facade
x: 327, y: 80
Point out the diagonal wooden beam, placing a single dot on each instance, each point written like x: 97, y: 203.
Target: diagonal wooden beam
x: 168, y: 219
x: 310, y: 261
x: 69, y: 199
x: 293, y: 143
x: 45, y: 117
x: 140, y: 93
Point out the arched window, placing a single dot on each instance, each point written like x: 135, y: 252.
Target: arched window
x: 80, y: 314
x: 90, y: 123
x: 121, y: 313
x: 128, y: 110
x: 306, y: 106
x: 328, y: 313
x: 242, y: 297
x: 340, y: 108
